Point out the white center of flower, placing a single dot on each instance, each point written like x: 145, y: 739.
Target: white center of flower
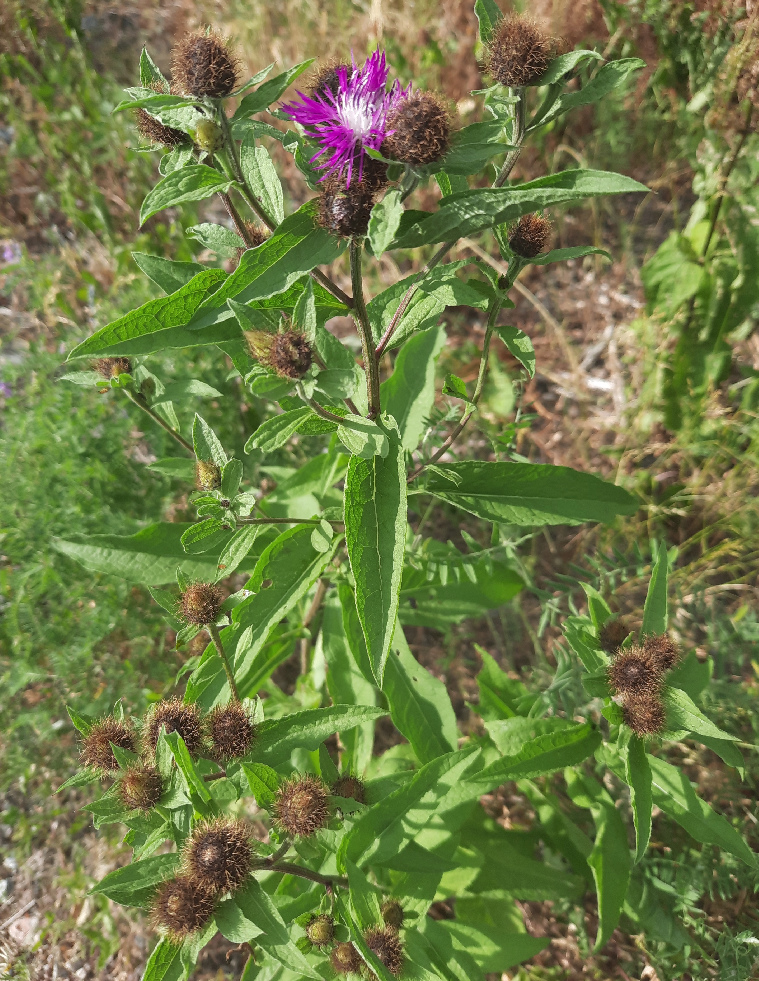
x: 356, y: 114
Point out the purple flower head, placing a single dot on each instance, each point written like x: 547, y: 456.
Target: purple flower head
x: 351, y: 120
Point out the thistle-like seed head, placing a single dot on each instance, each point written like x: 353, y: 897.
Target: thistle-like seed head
x: 345, y: 211
x: 613, y: 633
x: 112, y: 367
x: 663, y: 650
x: 153, y: 131
x: 519, y: 52
x: 320, y: 930
x: 218, y: 855
x: 302, y: 806
x: 345, y: 959
x: 181, y: 907
x: 174, y: 716
x: 201, y: 603
x: 96, y: 748
x: 645, y: 716
x: 419, y: 129
x: 634, y: 674
x: 351, y: 788
x: 230, y: 732
x: 140, y: 788
x: 207, y: 475
x: 202, y: 64
x: 392, y: 914
x: 387, y: 947
x: 289, y: 354
x: 325, y: 78
x: 529, y: 237
x: 208, y: 136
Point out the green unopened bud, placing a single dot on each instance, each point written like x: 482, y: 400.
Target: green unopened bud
x: 208, y: 136
x: 392, y: 914
x: 321, y: 930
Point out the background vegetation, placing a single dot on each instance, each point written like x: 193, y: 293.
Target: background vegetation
x: 648, y: 371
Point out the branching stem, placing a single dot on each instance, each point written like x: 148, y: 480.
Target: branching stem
x: 216, y: 638
x: 287, y: 521
x: 361, y: 317
x: 142, y: 403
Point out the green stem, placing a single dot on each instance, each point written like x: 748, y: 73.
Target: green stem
x: 289, y: 868
x: 516, y: 138
x: 361, y: 319
x: 141, y: 402
x: 216, y: 638
x: 286, y: 521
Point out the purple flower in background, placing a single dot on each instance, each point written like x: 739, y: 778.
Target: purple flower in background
x: 350, y: 119
x: 5, y: 390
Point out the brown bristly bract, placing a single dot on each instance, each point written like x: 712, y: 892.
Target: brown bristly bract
x: 96, y: 751
x: 180, y: 907
x: 663, y: 650
x: 645, y: 716
x: 207, y: 475
x: 230, y: 731
x: 634, y: 674
x: 140, y: 788
x: 202, y: 64
x: 173, y: 715
x: 218, y: 855
x: 419, y: 130
x: 519, y: 51
x: 392, y: 914
x: 155, y: 132
x: 290, y: 354
x: 255, y: 234
x: 325, y: 79
x: 345, y: 959
x: 200, y: 603
x: 320, y: 930
x: 112, y: 367
x: 345, y: 211
x: 302, y: 806
x: 350, y: 788
x: 613, y: 633
x: 387, y: 947
x: 529, y: 237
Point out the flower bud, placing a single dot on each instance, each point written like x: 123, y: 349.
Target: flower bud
x: 112, y: 367
x: 387, y: 947
x: 320, y: 930
x: 519, y: 52
x: 345, y: 959
x: 645, y: 716
x: 613, y: 633
x: 634, y: 674
x: 218, y: 855
x: 345, y: 211
x: 350, y: 788
x: 663, y: 650
x: 181, y: 907
x: 419, y: 129
x: 155, y: 132
x: 326, y: 78
x: 230, y: 732
x: 208, y: 136
x: 289, y: 354
x: 201, y: 603
x: 529, y: 237
x: 140, y: 788
x: 392, y: 914
x: 203, y: 65
x: 302, y: 806
x: 207, y: 475
x: 174, y: 716
x: 96, y: 748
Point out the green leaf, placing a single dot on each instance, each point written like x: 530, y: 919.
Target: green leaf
x: 471, y: 148
x: 186, y: 390
x: 234, y: 924
x: 165, y: 963
x: 134, y: 884
x: 607, y: 78
x: 530, y: 493
x: 225, y: 242
x: 674, y: 794
x: 236, y: 549
x: 304, y: 313
x: 263, y: 782
x: 371, y: 961
x: 278, y: 738
x: 82, y: 723
x: 273, y: 433
x: 259, y: 172
x: 365, y: 899
x: 683, y: 713
x: 544, y: 754
x: 567, y: 63
x: 127, y: 335
x: 206, y: 443
x: 231, y: 475
x: 384, y: 221
x: 194, y: 183
x: 493, y: 951
x: 638, y: 776
x: 520, y: 345
x: 81, y: 779
x: 192, y: 778
x: 150, y: 73
x: 409, y: 393
x: 501, y: 697
x: 270, y: 91
x: 150, y: 557
x: 169, y: 274
x: 488, y: 17
x: 561, y: 255
x: 511, y: 734
x: 455, y: 387
x: 364, y: 438
x: 471, y: 211
x: 375, y: 530
x: 655, y: 609
x: 204, y: 535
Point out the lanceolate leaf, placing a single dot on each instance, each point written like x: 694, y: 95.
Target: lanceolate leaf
x: 520, y: 345
x: 608, y: 77
x: 409, y: 393
x: 384, y: 221
x: 530, y: 493
x: 638, y: 776
x: 165, y: 963
x: 169, y: 274
x: 561, y: 255
x: 683, y: 713
x: 488, y: 15
x: 544, y: 754
x: 260, y: 174
x: 193, y: 183
x: 134, y: 884
x: 275, y: 432
x: 655, y: 609
x: 277, y: 739
x: 375, y: 531
x: 270, y: 91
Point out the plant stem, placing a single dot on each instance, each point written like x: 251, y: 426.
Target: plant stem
x: 516, y: 139
x: 140, y: 401
x: 469, y: 411
x: 216, y: 638
x: 283, y: 849
x: 361, y: 318
x: 285, y: 521
x: 233, y: 213
x: 305, y: 642
x: 289, y: 868
x: 215, y: 776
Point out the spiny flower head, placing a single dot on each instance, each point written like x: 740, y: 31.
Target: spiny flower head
x: 302, y: 806
x: 202, y: 64
x: 320, y: 930
x: 112, y: 367
x: 96, y: 748
x: 529, y: 237
x: 345, y: 959
x: 645, y: 716
x: 218, y: 855
x: 140, y: 787
x: 326, y: 78
x: 181, y: 907
x: 392, y: 914
x: 387, y: 947
x: 349, y: 787
x: 519, y: 51
x: 174, y: 716
x: 230, y: 731
x: 345, y: 211
x: 613, y: 634
x: 207, y: 475
x: 200, y: 603
x: 290, y: 354
x: 663, y: 650
x: 634, y: 674
x: 419, y: 129
x: 347, y: 114
x: 155, y: 132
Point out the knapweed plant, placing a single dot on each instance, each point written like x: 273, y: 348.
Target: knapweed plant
x: 287, y: 823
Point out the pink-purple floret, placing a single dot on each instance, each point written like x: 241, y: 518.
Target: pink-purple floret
x: 351, y: 121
